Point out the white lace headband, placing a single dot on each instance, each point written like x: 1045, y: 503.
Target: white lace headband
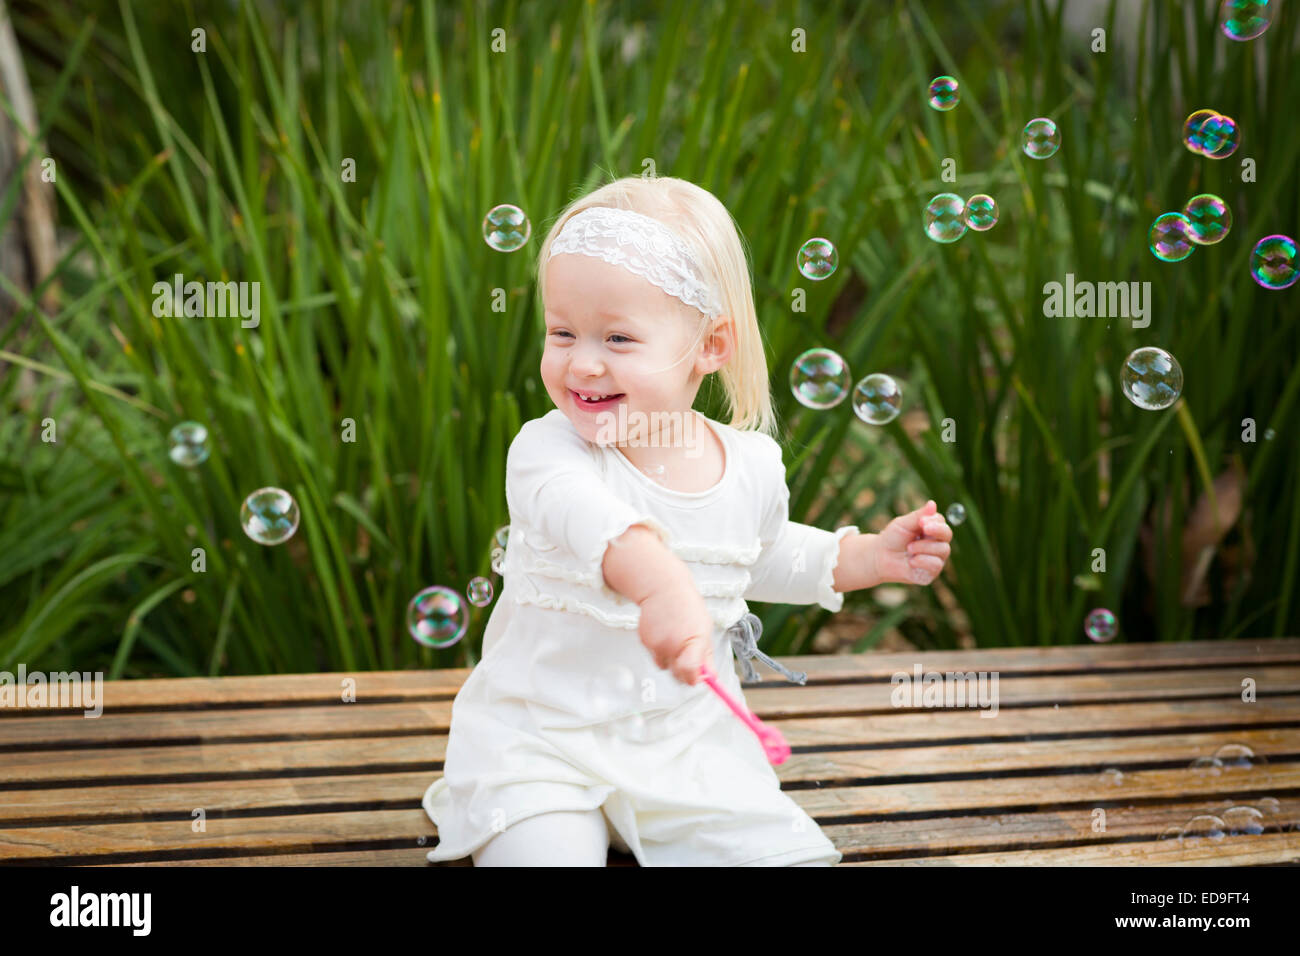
x: 642, y: 245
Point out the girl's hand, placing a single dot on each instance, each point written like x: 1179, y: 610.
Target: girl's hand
x: 677, y: 628
x: 913, y: 548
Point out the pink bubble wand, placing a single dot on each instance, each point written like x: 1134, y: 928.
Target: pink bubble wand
x: 774, y: 745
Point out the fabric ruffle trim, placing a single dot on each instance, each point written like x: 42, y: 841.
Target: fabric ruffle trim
x: 827, y: 596
x: 702, y: 554
x: 625, y: 621
x: 596, y: 581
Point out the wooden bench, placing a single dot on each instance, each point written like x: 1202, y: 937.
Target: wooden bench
x: 288, y: 774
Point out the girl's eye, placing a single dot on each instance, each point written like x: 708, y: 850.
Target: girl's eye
x: 621, y: 338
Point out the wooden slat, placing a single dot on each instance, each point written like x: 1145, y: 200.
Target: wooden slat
x: 889, y: 838
x: 415, y: 857
x: 769, y: 702
x: 443, y: 683
x: 900, y: 838
x: 392, y: 754
x: 1257, y: 850
x: 296, y: 833
x: 332, y: 721
x: 820, y: 797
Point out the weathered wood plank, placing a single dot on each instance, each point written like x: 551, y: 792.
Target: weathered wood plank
x: 327, y: 832
x: 205, y: 692
x: 1257, y: 850
x: 332, y: 721
x: 88, y: 767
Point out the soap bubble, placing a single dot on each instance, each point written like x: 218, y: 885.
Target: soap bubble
x: 955, y: 514
x: 1208, y: 219
x: 1201, y: 830
x: 506, y: 228
x: 945, y: 218
x: 436, y: 617
x: 479, y: 592
x: 1243, y: 821
x: 1151, y: 378
x: 1239, y: 756
x: 817, y: 259
x: 981, y: 212
x: 1042, y: 138
x: 943, y: 93
x: 1170, y: 237
x: 877, y: 399
x: 502, y: 535
x: 1273, y: 262
x: 1219, y: 136
x: 269, y: 516
x: 819, y: 378
x: 188, y: 444
x: 1244, y: 19
x: 1100, y: 625
x: 1193, y: 126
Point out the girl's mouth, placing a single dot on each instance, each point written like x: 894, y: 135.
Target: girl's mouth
x: 607, y: 402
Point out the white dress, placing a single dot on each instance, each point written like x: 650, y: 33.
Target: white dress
x: 567, y: 710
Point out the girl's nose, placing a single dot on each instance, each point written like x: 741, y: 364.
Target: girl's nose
x: 587, y: 362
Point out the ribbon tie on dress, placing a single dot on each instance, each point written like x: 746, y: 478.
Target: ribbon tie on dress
x: 744, y: 642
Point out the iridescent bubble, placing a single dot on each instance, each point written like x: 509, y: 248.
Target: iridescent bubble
x: 1151, y: 378
x: 187, y: 444
x: 819, y: 378
x: 1219, y: 136
x: 1244, y: 19
x: 479, y: 592
x: 1273, y: 262
x: 502, y: 535
x: 1193, y: 127
x: 1202, y: 830
x: 817, y: 259
x: 506, y: 228
x: 1208, y: 219
x: 877, y: 399
x: 1170, y: 237
x: 1243, y: 821
x: 269, y: 516
x: 945, y: 219
x: 1268, y: 434
x: 1239, y: 755
x: 1100, y: 625
x: 1206, y: 767
x: 1042, y: 138
x: 981, y: 212
x: 943, y: 93
x: 436, y: 617
x: 955, y: 514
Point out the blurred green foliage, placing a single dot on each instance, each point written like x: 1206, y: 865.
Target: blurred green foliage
x: 376, y: 305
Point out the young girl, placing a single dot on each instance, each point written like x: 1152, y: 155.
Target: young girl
x: 638, y: 529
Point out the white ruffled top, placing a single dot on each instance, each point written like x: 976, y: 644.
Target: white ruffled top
x: 561, y: 652
x: 568, y: 498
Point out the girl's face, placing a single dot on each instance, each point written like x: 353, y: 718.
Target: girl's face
x: 609, y: 332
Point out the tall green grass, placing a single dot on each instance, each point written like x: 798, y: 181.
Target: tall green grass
x: 376, y: 305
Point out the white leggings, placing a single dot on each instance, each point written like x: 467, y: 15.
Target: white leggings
x: 555, y: 838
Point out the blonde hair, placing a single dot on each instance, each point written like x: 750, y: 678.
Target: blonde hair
x: 707, y: 227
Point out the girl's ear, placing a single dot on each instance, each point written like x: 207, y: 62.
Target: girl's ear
x: 720, y: 342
